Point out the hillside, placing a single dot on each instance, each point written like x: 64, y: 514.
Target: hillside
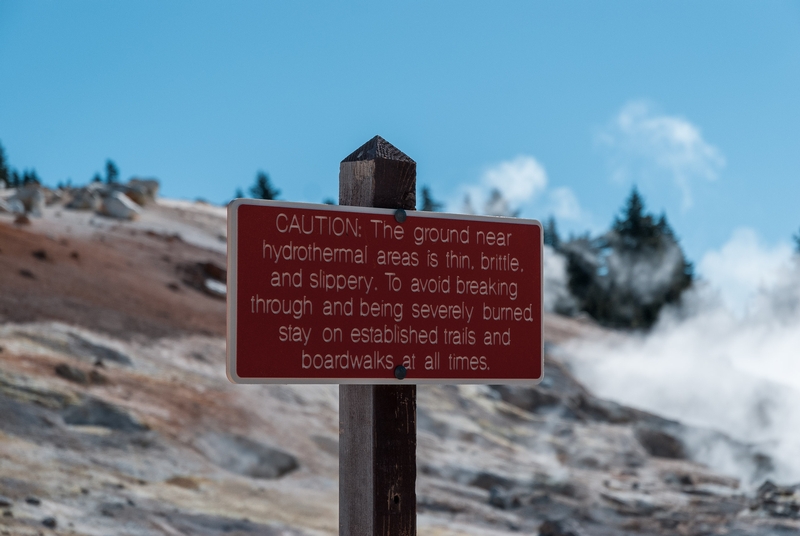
x: 116, y: 416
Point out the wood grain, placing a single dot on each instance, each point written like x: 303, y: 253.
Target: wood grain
x: 378, y: 423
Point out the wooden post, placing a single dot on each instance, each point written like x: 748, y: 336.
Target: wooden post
x: 378, y: 423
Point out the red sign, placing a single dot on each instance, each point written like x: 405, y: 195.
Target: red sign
x: 327, y: 294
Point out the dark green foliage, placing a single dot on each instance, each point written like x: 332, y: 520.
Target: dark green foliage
x: 329, y: 201
x: 4, y: 171
x: 263, y: 189
x: 97, y: 178
x: 551, y: 237
x: 636, y: 229
x: 239, y: 194
x: 112, y: 172
x: 30, y: 177
x: 14, y: 180
x: 625, y: 277
x: 797, y: 242
x: 428, y: 203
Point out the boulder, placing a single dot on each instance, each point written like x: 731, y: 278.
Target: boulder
x: 244, y: 456
x: 5, y: 208
x: 147, y: 187
x: 85, y: 199
x: 137, y: 194
x: 51, y: 197
x: 778, y: 501
x: 118, y: 205
x: 32, y: 198
x: 96, y: 412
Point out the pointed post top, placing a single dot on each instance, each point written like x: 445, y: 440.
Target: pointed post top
x: 378, y: 174
x: 377, y: 148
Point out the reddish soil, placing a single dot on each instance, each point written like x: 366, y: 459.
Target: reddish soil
x: 123, y: 283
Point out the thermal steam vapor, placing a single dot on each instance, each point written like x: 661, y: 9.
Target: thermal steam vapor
x: 704, y: 365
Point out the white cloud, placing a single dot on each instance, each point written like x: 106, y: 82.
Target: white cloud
x: 518, y: 181
x: 564, y: 204
x: 643, y: 143
x: 743, y: 266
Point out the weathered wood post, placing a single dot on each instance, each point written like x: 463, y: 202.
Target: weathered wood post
x: 378, y: 423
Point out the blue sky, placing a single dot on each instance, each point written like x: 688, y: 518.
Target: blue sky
x: 562, y: 105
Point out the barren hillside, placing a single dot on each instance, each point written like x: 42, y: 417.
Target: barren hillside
x: 116, y: 416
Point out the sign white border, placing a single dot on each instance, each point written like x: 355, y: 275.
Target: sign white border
x: 233, y: 243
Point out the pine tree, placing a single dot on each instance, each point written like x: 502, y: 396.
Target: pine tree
x: 263, y: 189
x: 551, y: 237
x: 4, y: 171
x: 239, y: 194
x: 30, y: 177
x: 797, y: 242
x: 636, y: 228
x: 428, y: 203
x: 112, y: 172
x: 97, y: 178
x: 601, y: 270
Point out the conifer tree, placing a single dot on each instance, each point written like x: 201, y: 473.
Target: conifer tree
x: 30, y: 177
x: 551, y: 237
x: 624, y: 277
x: 5, y: 178
x: 797, y: 242
x: 636, y: 228
x: 112, y: 172
x: 263, y: 189
x: 428, y: 203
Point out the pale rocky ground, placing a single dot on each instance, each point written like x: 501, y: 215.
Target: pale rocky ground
x: 116, y: 417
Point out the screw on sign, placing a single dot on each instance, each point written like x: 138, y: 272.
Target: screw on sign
x: 378, y: 298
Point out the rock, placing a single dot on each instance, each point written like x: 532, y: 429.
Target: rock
x: 5, y: 208
x: 22, y: 219
x: 488, y: 481
x: 96, y: 378
x: 503, y: 499
x: 207, y: 277
x: 83, y: 348
x: 95, y: 412
x: 49, y: 522
x: 660, y: 443
x: 71, y: 373
x: 555, y: 528
x: 32, y: 198
x: 51, y: 197
x: 149, y: 187
x: 118, y: 205
x: 137, y: 194
x: 40, y: 254
x: 15, y: 206
x: 5, y: 501
x: 33, y: 500
x: 86, y: 198
x: 244, y: 456
x: 531, y: 399
x: 24, y: 272
x: 778, y: 501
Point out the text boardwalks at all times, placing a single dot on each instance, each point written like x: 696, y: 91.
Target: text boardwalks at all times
x: 327, y: 294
